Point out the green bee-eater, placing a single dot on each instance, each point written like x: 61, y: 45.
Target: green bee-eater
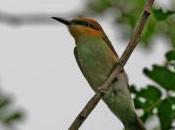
x: 97, y: 58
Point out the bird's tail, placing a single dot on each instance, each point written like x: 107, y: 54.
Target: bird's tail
x: 120, y: 102
x: 135, y: 125
x: 139, y: 123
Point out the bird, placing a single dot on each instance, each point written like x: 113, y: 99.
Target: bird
x: 97, y: 58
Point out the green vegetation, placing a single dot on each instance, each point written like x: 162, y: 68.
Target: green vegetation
x: 9, y: 115
x: 159, y: 100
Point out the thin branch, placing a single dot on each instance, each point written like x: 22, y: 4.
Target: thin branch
x: 124, y: 58
x: 28, y: 18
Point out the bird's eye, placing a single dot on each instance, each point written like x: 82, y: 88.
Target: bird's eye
x: 88, y: 24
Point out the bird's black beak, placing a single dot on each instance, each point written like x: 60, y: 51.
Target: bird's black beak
x: 64, y: 21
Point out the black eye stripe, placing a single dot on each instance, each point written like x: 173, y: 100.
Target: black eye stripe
x: 86, y: 24
x: 82, y: 23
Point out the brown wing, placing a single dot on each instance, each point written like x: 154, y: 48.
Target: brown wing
x: 113, y: 50
x: 110, y: 45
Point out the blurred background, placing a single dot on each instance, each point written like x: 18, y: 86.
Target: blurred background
x: 41, y: 86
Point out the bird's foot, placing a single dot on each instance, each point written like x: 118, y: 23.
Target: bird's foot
x: 103, y: 90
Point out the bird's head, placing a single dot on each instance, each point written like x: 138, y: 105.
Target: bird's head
x: 82, y: 26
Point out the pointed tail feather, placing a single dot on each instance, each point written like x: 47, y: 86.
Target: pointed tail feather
x: 137, y: 124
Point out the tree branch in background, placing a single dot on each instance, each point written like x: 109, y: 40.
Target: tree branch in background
x: 124, y: 58
x: 28, y: 19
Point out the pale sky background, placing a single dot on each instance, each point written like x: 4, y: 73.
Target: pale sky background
x: 38, y: 69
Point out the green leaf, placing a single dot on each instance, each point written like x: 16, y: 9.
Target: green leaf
x: 170, y: 55
x: 146, y: 99
x: 166, y: 113
x: 161, y: 15
x: 4, y: 102
x: 8, y: 115
x: 149, y: 31
x: 171, y: 31
x: 162, y: 76
x: 16, y: 116
x: 99, y: 6
x: 150, y: 92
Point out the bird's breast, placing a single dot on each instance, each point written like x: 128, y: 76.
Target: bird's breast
x: 96, y: 60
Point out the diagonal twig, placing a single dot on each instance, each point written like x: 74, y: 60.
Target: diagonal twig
x: 124, y: 58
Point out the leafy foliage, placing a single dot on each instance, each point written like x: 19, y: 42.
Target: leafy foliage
x: 127, y: 13
x: 166, y: 113
x: 146, y: 99
x: 8, y: 115
x: 160, y: 15
x: 163, y: 76
x: 151, y: 97
x: 170, y: 56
